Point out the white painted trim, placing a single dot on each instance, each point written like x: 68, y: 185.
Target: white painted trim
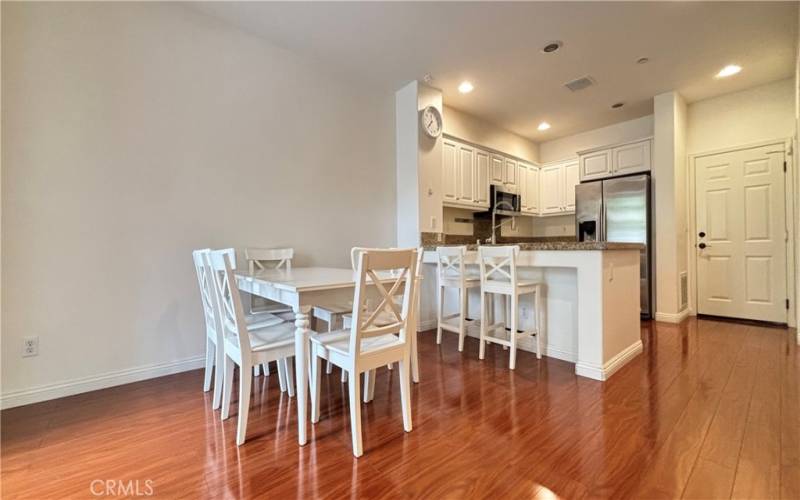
x: 791, y: 200
x: 95, y: 382
x: 673, y: 318
x: 622, y: 358
x: 553, y: 352
x: 424, y: 326
x: 604, y: 372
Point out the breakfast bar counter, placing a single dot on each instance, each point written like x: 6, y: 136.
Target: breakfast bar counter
x: 592, y: 312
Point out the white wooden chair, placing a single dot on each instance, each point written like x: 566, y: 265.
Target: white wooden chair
x: 242, y: 346
x: 385, y: 318
x: 451, y: 273
x: 368, y: 345
x: 338, y: 314
x: 270, y: 258
x: 259, y: 259
x: 214, y: 351
x: 498, y: 270
x: 258, y: 319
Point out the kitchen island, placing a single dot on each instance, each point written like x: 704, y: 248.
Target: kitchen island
x: 591, y: 296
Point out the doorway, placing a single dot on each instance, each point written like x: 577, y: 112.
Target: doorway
x: 741, y: 233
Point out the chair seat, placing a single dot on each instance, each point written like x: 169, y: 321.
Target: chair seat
x: 261, y: 320
x: 470, y: 281
x: 270, y: 337
x: 384, y: 318
x: 497, y: 286
x: 272, y: 307
x: 327, y: 310
x: 339, y: 341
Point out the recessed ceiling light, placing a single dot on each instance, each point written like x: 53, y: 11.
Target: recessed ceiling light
x: 617, y: 105
x: 642, y: 60
x: 552, y: 47
x: 543, y: 126
x: 465, y: 87
x: 729, y: 70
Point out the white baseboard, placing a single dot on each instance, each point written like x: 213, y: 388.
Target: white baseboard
x: 95, y: 382
x: 423, y: 326
x: 673, y: 317
x: 605, y: 371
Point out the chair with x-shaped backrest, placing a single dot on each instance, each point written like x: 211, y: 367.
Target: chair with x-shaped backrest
x: 370, y: 344
x: 498, y: 269
x: 451, y: 274
x: 243, y: 346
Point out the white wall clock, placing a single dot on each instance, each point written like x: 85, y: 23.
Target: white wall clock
x: 431, y: 120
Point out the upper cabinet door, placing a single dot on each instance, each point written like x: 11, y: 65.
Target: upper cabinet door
x: 449, y: 165
x: 497, y: 169
x: 551, y: 189
x: 631, y: 158
x: 570, y: 181
x: 522, y: 176
x: 510, y: 177
x: 482, y: 178
x: 466, y: 174
x: 530, y: 186
x: 595, y: 165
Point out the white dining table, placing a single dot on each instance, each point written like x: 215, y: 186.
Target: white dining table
x: 302, y: 288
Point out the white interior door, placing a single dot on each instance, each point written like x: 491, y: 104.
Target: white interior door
x: 741, y: 234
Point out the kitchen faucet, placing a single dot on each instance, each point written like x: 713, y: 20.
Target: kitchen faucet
x: 493, y: 239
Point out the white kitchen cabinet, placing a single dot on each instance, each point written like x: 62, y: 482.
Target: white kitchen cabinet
x: 631, y: 158
x: 528, y: 179
x: 620, y: 159
x: 510, y: 176
x: 498, y: 168
x: 571, y: 179
x: 465, y: 174
x: 449, y: 165
x: 551, y: 189
x: 557, y: 188
x: 482, y: 167
x: 595, y: 165
x: 468, y: 171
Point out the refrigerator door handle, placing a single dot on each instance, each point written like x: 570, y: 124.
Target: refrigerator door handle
x: 603, y: 228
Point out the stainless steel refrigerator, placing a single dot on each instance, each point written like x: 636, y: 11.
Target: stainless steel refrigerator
x: 618, y: 210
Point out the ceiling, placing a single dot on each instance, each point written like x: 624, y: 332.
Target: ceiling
x: 497, y: 46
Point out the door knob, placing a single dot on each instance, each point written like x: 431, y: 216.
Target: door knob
x: 702, y: 234
x: 702, y: 246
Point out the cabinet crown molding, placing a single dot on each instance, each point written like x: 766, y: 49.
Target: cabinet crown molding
x: 616, y: 145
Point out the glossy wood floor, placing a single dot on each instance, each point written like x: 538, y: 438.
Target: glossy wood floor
x: 710, y: 410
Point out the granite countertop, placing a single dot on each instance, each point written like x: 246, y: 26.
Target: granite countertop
x: 557, y: 245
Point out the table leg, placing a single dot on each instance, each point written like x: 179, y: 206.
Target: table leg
x: 301, y: 350
x: 414, y: 328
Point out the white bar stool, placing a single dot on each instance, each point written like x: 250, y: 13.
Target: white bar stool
x: 498, y: 267
x: 451, y: 274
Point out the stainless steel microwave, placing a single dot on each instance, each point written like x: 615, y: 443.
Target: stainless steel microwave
x: 503, y: 201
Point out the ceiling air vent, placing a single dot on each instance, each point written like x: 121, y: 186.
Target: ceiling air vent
x: 580, y: 83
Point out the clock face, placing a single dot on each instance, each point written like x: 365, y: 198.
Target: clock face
x: 432, y: 121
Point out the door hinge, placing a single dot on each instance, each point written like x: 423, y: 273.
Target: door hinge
x: 787, y: 303
x: 784, y: 166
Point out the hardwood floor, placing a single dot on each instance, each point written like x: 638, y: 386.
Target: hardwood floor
x: 709, y: 410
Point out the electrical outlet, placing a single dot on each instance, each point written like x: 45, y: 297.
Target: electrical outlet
x: 30, y: 347
x: 433, y: 222
x: 524, y: 312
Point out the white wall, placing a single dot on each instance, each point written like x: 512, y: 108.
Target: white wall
x: 757, y: 114
x: 568, y: 147
x: 477, y: 131
x: 134, y: 133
